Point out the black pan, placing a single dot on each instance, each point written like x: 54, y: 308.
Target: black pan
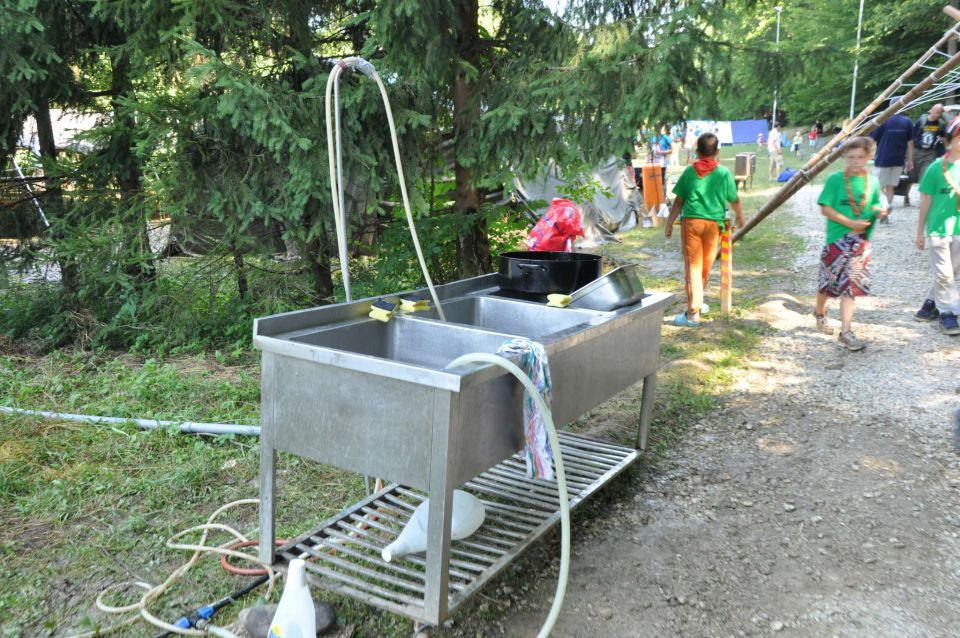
x: 546, y: 272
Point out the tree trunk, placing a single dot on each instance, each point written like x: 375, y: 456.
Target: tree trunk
x: 140, y: 265
x: 53, y: 200
x: 315, y: 251
x: 473, y: 245
x: 243, y: 286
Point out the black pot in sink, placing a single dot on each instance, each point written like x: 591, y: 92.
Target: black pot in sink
x: 546, y: 272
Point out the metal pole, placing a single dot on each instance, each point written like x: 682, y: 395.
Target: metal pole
x: 856, y: 62
x: 33, y: 196
x: 776, y: 87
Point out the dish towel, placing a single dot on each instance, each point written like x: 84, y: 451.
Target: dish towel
x: 533, y: 361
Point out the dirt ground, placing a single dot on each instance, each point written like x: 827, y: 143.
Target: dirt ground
x: 821, y: 499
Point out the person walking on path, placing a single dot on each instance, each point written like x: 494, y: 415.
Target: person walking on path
x: 662, y: 147
x: 851, y: 202
x: 775, y: 150
x: 927, y: 146
x: 938, y: 228
x: 702, y: 194
x: 894, y: 152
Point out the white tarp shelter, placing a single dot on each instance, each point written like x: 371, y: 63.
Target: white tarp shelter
x: 614, y: 209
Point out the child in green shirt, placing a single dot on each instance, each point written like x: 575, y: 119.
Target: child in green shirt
x: 938, y: 228
x: 702, y: 194
x: 851, y: 202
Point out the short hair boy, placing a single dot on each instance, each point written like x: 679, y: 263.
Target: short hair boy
x: 938, y: 228
x: 851, y: 202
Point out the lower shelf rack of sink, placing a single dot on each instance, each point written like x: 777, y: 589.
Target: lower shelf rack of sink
x: 343, y: 553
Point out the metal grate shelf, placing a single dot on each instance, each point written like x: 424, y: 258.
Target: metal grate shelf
x: 344, y: 551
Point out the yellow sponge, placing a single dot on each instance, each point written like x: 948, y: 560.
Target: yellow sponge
x: 413, y: 303
x: 382, y: 310
x: 558, y: 300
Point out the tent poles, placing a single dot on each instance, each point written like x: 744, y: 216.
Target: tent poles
x: 832, y: 150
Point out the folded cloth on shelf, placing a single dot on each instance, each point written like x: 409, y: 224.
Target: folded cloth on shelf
x: 533, y: 361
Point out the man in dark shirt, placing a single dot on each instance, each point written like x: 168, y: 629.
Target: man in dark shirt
x: 927, y: 144
x: 894, y: 152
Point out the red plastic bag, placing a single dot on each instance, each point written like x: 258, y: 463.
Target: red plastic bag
x: 559, y: 224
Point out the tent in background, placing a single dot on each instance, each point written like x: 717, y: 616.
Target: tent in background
x: 605, y: 214
x: 745, y: 131
x: 732, y: 132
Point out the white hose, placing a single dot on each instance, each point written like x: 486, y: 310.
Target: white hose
x: 152, y: 593
x: 339, y: 222
x: 509, y: 366
x: 187, y: 427
x: 336, y: 171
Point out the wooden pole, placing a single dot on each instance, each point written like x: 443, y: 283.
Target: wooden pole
x: 831, y: 150
x: 726, y: 271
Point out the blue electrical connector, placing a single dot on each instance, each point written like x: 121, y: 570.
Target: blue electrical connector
x: 206, y: 612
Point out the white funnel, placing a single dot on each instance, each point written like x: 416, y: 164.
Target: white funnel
x: 468, y: 515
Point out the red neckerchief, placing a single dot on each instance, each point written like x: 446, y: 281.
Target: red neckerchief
x: 953, y: 185
x: 705, y: 166
x: 866, y: 189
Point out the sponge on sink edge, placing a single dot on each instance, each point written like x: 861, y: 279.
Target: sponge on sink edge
x: 382, y: 310
x: 558, y: 300
x: 414, y: 303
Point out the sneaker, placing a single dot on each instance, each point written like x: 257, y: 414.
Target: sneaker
x: 949, y: 324
x: 850, y: 340
x: 823, y: 324
x: 928, y: 311
x: 682, y: 320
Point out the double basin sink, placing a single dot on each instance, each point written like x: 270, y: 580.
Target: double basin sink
x: 379, y: 398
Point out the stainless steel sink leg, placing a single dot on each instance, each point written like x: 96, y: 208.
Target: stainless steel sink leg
x: 446, y: 426
x: 646, y: 409
x: 268, y: 464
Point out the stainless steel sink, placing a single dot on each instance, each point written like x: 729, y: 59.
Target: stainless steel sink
x: 378, y: 398
x: 521, y: 318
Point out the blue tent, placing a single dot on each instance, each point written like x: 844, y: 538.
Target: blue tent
x: 747, y: 130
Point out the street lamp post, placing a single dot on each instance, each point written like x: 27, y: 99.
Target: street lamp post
x: 776, y: 86
x: 856, y: 61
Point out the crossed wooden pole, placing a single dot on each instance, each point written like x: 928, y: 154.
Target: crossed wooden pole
x: 834, y: 148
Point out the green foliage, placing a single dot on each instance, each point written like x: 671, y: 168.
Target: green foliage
x: 814, y: 67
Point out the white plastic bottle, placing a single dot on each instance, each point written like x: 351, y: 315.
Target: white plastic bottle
x: 467, y: 517
x: 295, y: 617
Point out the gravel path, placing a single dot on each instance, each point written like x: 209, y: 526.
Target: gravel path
x: 820, y: 500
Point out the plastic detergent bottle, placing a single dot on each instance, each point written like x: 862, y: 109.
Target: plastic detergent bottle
x: 468, y: 515
x: 295, y: 617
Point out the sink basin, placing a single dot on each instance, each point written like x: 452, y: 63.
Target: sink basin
x: 420, y: 343
x: 520, y: 318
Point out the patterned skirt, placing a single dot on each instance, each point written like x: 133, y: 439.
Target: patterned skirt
x: 845, y: 267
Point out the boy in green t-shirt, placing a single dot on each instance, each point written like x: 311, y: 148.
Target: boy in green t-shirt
x: 702, y: 194
x: 938, y: 227
x: 851, y: 202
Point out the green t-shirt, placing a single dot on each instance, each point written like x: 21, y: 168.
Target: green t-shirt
x: 835, y: 196
x: 943, y: 220
x: 706, y: 197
